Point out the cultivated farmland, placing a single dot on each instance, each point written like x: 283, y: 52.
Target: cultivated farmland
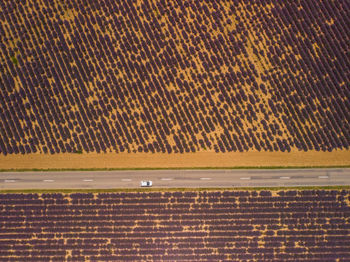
x: 173, y: 76
x: 286, y: 225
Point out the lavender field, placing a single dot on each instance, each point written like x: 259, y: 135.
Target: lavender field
x: 174, y: 76
x: 285, y: 225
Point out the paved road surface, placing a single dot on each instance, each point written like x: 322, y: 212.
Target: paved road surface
x: 173, y: 178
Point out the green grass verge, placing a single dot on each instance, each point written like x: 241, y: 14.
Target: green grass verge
x: 173, y: 189
x: 166, y: 168
x: 14, y: 60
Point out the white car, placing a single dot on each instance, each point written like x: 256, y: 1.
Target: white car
x: 146, y: 183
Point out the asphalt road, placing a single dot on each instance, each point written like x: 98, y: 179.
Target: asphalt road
x: 173, y: 178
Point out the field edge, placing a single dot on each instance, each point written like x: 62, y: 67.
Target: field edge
x: 200, y: 160
x: 168, y: 168
x: 277, y: 188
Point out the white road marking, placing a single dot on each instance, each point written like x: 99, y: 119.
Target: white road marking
x: 48, y: 180
x: 166, y: 179
x: 323, y: 176
x: 285, y: 177
x: 88, y: 180
x: 126, y: 179
x: 245, y: 178
x: 9, y: 181
x: 205, y: 178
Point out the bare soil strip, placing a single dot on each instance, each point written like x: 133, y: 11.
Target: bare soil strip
x: 188, y: 160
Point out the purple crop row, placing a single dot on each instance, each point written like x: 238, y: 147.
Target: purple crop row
x: 313, y: 194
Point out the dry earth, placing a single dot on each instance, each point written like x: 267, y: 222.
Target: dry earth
x: 199, y: 159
